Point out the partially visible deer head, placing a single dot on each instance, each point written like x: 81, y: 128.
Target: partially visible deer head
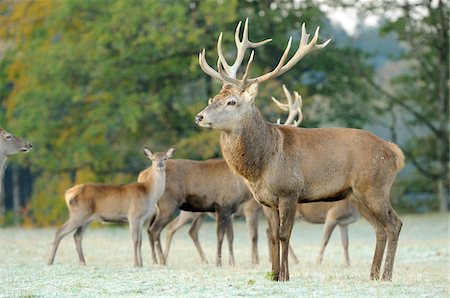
x: 10, y: 144
x: 236, y: 98
x: 159, y: 159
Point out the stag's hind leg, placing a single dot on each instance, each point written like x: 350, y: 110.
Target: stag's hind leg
x: 393, y: 225
x: 380, y: 208
x: 361, y: 203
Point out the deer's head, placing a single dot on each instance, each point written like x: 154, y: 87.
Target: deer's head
x: 10, y: 144
x: 159, y: 158
x: 235, y: 101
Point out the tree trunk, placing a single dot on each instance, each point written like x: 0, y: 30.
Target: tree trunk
x: 16, y: 194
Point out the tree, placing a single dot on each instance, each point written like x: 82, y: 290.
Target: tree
x: 422, y: 91
x: 91, y: 82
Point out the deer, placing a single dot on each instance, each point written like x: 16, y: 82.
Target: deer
x: 284, y: 166
x: 10, y: 145
x: 133, y: 203
x: 332, y: 214
x: 248, y: 209
x: 197, y: 186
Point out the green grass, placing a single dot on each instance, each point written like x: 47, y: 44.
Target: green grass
x: 421, y: 268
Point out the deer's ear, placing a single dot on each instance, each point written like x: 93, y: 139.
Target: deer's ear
x: 251, y: 91
x: 169, y: 152
x: 148, y: 153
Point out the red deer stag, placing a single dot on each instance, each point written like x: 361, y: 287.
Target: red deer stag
x: 284, y: 165
x: 132, y: 203
x: 9, y: 145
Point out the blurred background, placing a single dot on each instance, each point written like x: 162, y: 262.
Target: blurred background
x: 89, y: 83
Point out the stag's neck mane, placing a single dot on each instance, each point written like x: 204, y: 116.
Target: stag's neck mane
x: 248, y: 147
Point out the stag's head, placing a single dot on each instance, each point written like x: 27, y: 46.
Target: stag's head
x: 159, y: 158
x: 235, y: 101
x: 10, y: 144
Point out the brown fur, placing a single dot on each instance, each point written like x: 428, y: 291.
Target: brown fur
x: 200, y: 186
x: 284, y: 165
x: 132, y: 203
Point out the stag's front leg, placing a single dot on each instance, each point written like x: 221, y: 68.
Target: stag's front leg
x: 274, y: 240
x: 287, y: 209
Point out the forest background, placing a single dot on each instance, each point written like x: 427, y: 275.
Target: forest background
x: 89, y: 83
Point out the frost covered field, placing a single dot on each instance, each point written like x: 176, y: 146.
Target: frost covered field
x: 421, y: 268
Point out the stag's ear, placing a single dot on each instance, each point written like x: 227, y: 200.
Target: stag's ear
x: 169, y: 152
x: 148, y: 153
x: 251, y: 91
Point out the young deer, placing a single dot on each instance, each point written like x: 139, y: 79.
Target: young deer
x: 284, y: 165
x: 9, y: 145
x: 132, y: 203
x: 199, y: 186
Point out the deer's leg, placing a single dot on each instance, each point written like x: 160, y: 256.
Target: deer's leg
x: 223, y: 216
x: 344, y: 240
x: 328, y: 228
x: 252, y: 225
x: 380, y: 235
x: 183, y: 218
x: 193, y: 232
x: 287, y: 210
x: 136, y: 238
x: 68, y: 227
x: 78, y: 236
x: 394, y: 226
x: 151, y: 239
x: 230, y: 237
x: 161, y: 220
x: 273, y: 220
x: 292, y: 254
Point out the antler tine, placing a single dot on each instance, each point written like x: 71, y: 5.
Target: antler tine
x: 303, y: 49
x: 206, y: 68
x: 224, y: 62
x: 294, y: 108
x: 223, y: 76
x: 276, y: 71
x: 299, y: 101
x: 242, y: 46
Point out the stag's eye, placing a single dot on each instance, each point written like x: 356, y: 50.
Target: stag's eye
x: 8, y: 137
x: 231, y: 103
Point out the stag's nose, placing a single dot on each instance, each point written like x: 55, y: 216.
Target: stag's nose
x: 198, y: 118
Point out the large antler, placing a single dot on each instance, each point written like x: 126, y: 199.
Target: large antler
x: 227, y: 73
x: 241, y: 46
x: 294, y: 107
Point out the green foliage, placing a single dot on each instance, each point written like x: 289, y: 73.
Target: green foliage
x: 91, y: 82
